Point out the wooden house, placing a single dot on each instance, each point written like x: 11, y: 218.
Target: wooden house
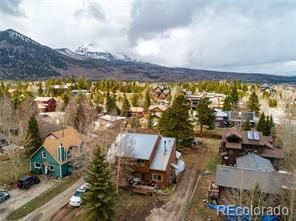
x: 56, y: 155
x: 155, y: 158
x: 236, y: 143
x: 46, y: 104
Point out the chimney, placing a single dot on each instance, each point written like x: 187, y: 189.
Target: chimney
x: 165, y: 148
x: 61, y: 153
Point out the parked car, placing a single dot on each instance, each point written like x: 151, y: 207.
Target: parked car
x: 75, y: 200
x: 25, y: 182
x: 4, y: 196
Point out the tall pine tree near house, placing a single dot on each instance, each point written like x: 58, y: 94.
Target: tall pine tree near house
x: 247, y: 125
x: 234, y: 97
x: 147, y: 101
x: 205, y: 115
x: 261, y: 122
x: 33, y: 139
x: 125, y: 107
x: 227, y: 104
x: 174, y: 122
x: 253, y: 103
x: 99, y: 199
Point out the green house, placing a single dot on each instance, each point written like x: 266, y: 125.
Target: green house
x: 55, y: 156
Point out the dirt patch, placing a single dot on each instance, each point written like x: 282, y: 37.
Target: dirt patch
x: 175, y: 207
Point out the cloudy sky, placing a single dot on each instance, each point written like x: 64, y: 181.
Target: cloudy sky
x: 230, y: 35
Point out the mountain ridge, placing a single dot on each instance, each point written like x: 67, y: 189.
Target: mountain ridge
x: 23, y: 58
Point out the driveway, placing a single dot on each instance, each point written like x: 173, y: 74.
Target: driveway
x: 45, y: 212
x: 175, y: 208
x: 20, y: 197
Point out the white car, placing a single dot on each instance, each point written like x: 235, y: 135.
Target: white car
x: 75, y: 200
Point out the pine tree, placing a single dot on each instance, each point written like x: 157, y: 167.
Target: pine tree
x: 147, y: 101
x: 234, y: 97
x: 99, y: 199
x: 261, y: 122
x: 40, y: 90
x: 206, y: 115
x: 80, y: 119
x: 111, y: 107
x: 125, y: 107
x: 253, y: 103
x: 135, y: 100
x: 227, y: 104
x: 33, y: 139
x: 264, y: 125
x: 247, y: 125
x: 174, y: 122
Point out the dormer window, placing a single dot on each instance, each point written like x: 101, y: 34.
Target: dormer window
x: 44, y: 154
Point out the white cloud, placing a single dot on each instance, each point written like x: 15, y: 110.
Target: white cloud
x: 246, y: 35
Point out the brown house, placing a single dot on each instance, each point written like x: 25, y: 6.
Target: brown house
x: 155, y: 158
x: 46, y: 104
x: 236, y: 143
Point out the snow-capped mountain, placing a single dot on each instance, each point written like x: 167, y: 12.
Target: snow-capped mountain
x: 23, y: 58
x: 89, y: 51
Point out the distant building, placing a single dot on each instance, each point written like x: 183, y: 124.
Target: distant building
x: 156, y: 160
x: 156, y: 111
x: 221, y: 118
x: 76, y: 93
x: 137, y: 111
x: 109, y: 121
x: 238, y: 118
x: 46, y: 104
x: 56, y: 155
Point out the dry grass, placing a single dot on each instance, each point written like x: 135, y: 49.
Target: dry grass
x: 7, y: 174
x: 206, y: 158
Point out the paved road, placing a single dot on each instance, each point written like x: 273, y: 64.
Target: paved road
x: 45, y: 212
x: 20, y: 197
x: 174, y: 209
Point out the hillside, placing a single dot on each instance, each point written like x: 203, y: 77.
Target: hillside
x: 24, y: 58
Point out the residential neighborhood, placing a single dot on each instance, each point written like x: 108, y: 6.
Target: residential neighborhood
x: 147, y: 110
x: 153, y: 146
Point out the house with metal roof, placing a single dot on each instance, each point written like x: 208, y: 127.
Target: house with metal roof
x: 156, y: 159
x: 56, y: 155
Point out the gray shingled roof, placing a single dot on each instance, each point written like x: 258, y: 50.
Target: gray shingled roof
x: 253, y: 161
x: 246, y: 179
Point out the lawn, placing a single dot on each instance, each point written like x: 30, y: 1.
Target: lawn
x: 42, y: 198
x: 212, y: 165
x: 131, y: 206
x: 7, y: 173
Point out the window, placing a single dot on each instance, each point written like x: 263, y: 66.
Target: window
x: 69, y: 154
x: 51, y: 167
x: 156, y: 177
x: 37, y: 165
x: 44, y: 154
x: 140, y: 162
